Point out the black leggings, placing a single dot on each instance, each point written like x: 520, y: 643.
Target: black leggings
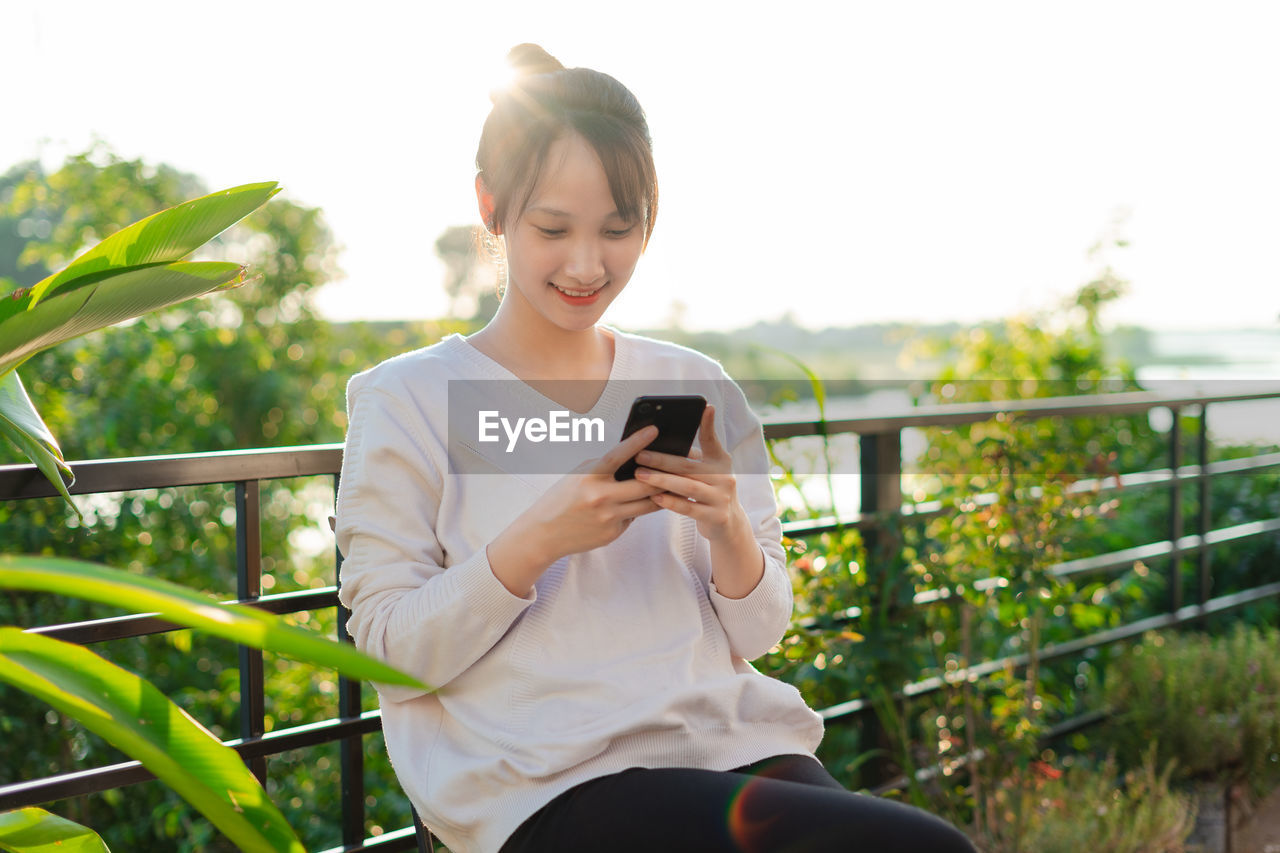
x: 787, y: 804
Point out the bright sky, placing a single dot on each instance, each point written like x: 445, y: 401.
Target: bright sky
x: 847, y: 162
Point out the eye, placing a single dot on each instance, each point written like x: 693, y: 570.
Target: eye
x: 619, y: 233
x: 550, y: 232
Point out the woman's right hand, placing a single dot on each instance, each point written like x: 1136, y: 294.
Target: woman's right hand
x: 586, y: 509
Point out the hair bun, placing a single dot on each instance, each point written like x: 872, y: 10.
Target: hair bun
x: 528, y: 58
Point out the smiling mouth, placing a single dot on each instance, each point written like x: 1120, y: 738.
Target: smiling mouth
x: 577, y: 294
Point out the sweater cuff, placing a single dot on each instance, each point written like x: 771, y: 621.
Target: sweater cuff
x: 761, y: 602
x: 474, y: 580
x: 757, y: 621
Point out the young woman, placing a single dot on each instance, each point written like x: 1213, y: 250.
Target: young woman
x: 587, y: 638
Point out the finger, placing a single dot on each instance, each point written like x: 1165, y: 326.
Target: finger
x: 707, y: 432
x: 684, y: 486
x: 675, y: 503
x: 627, y: 448
x: 633, y: 490
x: 643, y: 506
x: 667, y: 462
x: 699, y: 512
x: 695, y: 454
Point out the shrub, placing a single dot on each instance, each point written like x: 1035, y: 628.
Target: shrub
x: 1210, y: 703
x: 1089, y: 808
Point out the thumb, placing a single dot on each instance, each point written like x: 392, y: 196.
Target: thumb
x: 707, y: 432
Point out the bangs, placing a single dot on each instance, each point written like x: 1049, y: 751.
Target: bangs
x: 627, y: 163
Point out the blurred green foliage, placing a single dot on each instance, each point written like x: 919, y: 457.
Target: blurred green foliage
x: 253, y: 367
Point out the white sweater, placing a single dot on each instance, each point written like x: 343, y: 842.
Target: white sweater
x: 624, y: 656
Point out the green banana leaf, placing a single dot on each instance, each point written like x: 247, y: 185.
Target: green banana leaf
x: 22, y: 424
x: 33, y: 830
x: 161, y: 238
x: 245, y: 625
x: 112, y: 298
x: 131, y: 273
x: 140, y: 721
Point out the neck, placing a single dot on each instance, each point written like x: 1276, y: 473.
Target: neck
x: 534, y: 350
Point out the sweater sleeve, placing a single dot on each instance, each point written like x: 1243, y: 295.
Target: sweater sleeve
x: 406, y: 608
x: 757, y: 622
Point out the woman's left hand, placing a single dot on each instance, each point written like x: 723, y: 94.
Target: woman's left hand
x: 701, y: 486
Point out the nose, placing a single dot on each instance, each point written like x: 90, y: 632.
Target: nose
x: 585, y: 264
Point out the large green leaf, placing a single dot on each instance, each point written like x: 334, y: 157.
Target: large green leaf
x: 245, y: 625
x: 111, y: 299
x: 140, y: 721
x: 161, y: 238
x: 33, y: 830
x: 22, y: 424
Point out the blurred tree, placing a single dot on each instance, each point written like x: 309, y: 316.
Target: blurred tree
x: 471, y: 278
x: 15, y: 233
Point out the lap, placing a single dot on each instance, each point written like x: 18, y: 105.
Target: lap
x: 787, y: 803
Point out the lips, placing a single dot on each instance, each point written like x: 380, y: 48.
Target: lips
x: 578, y: 297
x: 571, y: 292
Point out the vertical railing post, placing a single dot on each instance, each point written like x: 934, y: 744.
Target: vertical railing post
x: 880, y: 467
x: 248, y: 587
x: 1175, y: 511
x: 1205, y: 502
x: 351, y: 749
x: 880, y: 483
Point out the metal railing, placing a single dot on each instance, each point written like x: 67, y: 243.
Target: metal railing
x: 880, y: 454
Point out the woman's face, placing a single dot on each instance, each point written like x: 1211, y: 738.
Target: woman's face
x: 569, y: 253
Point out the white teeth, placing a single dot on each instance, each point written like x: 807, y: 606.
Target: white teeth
x: 573, y: 292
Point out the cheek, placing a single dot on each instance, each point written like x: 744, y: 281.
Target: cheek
x: 624, y: 256
x: 531, y: 256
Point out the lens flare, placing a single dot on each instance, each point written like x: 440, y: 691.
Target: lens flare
x: 501, y: 79
x: 747, y: 827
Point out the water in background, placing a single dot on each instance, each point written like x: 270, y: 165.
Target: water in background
x: 1221, y: 363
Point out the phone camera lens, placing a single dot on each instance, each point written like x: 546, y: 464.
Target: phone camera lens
x: 646, y: 407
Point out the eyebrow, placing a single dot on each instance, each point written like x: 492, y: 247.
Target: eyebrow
x: 551, y: 211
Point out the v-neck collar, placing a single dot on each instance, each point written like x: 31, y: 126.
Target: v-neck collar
x: 605, y: 406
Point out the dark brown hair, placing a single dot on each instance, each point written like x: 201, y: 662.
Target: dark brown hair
x: 545, y: 102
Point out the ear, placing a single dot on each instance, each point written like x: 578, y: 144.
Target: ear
x: 484, y: 199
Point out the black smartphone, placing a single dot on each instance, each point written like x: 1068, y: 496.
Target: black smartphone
x: 677, y: 418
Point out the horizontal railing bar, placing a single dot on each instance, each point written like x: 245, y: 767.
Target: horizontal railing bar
x: 830, y: 621
x: 1185, y: 474
x: 1136, y: 402
x: 1191, y: 543
x: 1244, y: 464
x: 142, y: 624
x: 1055, y: 650
x: 98, y: 476
x: 98, y: 779
x: 1124, y: 482
x: 1098, y: 563
x: 825, y: 524
x: 73, y: 784
x: 309, y: 734
x: 400, y: 839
